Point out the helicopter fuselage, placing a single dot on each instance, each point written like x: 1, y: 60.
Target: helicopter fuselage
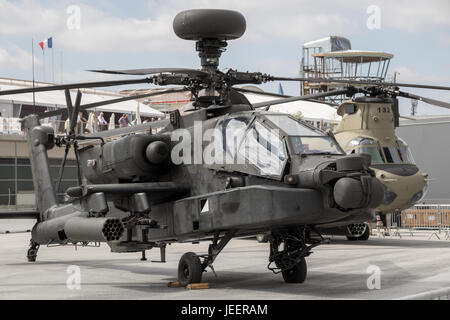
x: 369, y: 127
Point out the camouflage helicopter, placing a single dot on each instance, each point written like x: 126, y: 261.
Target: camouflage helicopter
x: 368, y: 127
x: 142, y: 190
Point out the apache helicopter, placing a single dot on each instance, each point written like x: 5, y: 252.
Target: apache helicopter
x: 136, y: 196
x: 368, y: 127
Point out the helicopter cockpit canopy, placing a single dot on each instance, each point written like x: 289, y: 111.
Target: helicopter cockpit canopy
x: 263, y: 141
x: 381, y: 155
x: 305, y: 139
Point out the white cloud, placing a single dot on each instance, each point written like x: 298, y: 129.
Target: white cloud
x: 99, y: 31
x: 407, y: 74
x: 284, y: 19
x: 445, y: 40
x: 13, y: 58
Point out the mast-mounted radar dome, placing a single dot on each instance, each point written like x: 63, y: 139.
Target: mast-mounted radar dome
x: 200, y: 24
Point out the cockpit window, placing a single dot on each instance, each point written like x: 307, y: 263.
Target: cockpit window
x: 231, y: 132
x: 392, y: 155
x: 315, y: 145
x: 405, y: 153
x: 368, y: 146
x: 264, y: 149
x: 292, y: 127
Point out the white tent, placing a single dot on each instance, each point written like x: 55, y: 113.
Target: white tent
x: 313, y: 111
x: 138, y: 114
x: 112, y: 122
x: 90, y: 122
x: 57, y: 98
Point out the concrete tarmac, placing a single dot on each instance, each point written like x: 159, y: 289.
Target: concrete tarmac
x: 339, y: 270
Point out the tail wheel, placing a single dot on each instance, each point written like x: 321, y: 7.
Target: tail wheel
x: 297, y: 274
x: 190, y: 269
x: 32, y: 252
x: 31, y: 255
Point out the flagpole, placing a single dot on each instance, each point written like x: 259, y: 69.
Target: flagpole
x: 43, y: 55
x: 61, y: 67
x: 32, y: 55
x: 53, y: 67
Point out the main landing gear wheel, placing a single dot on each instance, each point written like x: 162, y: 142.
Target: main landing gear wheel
x: 366, y: 235
x: 297, y: 274
x: 190, y: 269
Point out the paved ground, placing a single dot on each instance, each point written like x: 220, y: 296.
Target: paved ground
x: 337, y: 271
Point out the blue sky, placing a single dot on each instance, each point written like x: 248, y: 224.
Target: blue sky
x: 138, y: 33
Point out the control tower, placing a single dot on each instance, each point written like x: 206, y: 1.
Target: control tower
x: 333, y: 58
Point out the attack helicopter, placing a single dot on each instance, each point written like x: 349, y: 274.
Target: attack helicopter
x: 270, y: 172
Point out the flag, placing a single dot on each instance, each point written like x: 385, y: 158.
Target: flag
x: 47, y: 43
x: 280, y: 89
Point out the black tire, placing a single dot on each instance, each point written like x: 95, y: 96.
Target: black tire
x: 190, y: 269
x: 352, y: 238
x: 31, y: 255
x: 297, y: 274
x: 366, y: 235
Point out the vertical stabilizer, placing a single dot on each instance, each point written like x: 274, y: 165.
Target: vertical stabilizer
x: 40, y: 139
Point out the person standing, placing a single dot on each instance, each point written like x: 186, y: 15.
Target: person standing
x: 95, y: 122
x: 103, y: 124
x: 123, y: 121
x: 80, y: 123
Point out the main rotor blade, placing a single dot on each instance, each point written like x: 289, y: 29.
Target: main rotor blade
x: 107, y: 102
x: 280, y: 95
x: 84, y: 85
x: 261, y: 93
x: 424, y: 99
x: 366, y: 83
x: 147, y: 71
x: 299, y: 98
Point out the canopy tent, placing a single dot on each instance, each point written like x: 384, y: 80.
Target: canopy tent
x: 313, y: 111
x: 57, y: 99
x: 356, y: 56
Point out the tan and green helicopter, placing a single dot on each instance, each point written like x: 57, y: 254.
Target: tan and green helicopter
x: 368, y: 126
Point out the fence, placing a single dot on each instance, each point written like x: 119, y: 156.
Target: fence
x: 14, y: 126
x: 440, y: 294
x: 432, y: 217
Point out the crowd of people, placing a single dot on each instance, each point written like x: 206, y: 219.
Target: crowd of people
x: 97, y: 122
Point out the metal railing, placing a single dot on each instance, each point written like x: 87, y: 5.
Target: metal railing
x: 423, y: 217
x: 440, y: 294
x: 13, y: 126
